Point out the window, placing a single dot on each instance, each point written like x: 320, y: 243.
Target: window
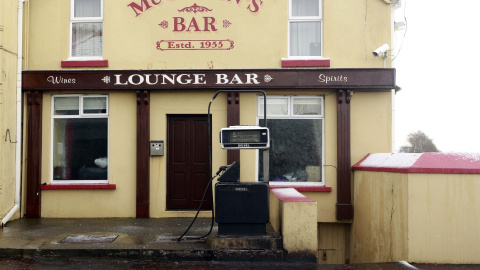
x: 86, y: 29
x: 296, y: 131
x: 80, y: 139
x: 305, y: 28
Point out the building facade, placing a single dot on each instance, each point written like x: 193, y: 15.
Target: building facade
x: 10, y: 109
x: 105, y: 81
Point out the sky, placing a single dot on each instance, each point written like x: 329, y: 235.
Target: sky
x: 437, y: 60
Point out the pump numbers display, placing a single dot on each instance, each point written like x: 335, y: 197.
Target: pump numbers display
x: 245, y: 137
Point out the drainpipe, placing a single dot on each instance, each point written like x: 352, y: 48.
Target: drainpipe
x: 18, y: 149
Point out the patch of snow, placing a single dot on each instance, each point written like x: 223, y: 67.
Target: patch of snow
x: 166, y: 238
x: 296, y: 184
x: 90, y: 239
x: 391, y: 160
x: 288, y: 193
x: 406, y: 264
x: 466, y: 156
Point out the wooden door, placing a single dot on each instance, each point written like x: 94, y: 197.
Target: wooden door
x: 187, y: 162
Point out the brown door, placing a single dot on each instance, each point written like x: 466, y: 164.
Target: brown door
x: 187, y: 162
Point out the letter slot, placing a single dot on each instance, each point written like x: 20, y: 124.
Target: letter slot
x: 156, y: 148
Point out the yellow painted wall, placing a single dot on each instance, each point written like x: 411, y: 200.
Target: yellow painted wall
x: 181, y: 102
x: 424, y: 218
x: 353, y: 30
x: 381, y: 224
x: 130, y: 41
x: 122, y: 121
x: 122, y: 157
x: 371, y: 124
x: 326, y: 209
x: 8, y: 80
x: 47, y: 33
x: 122, y: 167
x: 443, y: 218
x: 260, y: 39
x: 275, y: 212
x: 295, y: 217
x: 260, y: 42
x: 332, y: 243
x: 299, y: 227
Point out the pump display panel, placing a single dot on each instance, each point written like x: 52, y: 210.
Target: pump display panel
x: 245, y: 137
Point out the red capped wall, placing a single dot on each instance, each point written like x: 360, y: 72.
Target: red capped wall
x: 444, y: 163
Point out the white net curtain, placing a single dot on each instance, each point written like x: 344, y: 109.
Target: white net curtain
x: 305, y: 28
x: 87, y: 28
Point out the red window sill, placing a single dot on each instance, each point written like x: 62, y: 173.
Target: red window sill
x: 305, y: 188
x: 305, y: 63
x: 79, y: 186
x: 86, y: 63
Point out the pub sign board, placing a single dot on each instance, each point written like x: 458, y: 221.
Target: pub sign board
x: 182, y: 19
x: 359, y: 79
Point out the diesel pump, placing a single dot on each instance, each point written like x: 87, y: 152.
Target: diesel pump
x: 242, y: 207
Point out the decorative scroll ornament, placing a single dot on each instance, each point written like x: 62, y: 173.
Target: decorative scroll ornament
x: 267, y: 78
x: 195, y: 8
x: 226, y: 24
x: 106, y: 79
x: 164, y: 24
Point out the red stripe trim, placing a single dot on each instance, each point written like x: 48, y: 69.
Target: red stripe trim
x: 357, y: 165
x: 87, y: 63
x: 304, y: 188
x: 419, y: 170
x: 79, y: 186
x: 306, y: 63
x: 382, y: 169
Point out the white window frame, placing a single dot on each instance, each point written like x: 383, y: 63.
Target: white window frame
x: 80, y: 115
x: 291, y: 116
x: 73, y: 20
x: 319, y: 18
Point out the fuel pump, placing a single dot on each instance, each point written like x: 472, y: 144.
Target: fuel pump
x: 242, y: 208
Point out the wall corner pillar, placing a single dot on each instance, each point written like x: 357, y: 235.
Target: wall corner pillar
x: 233, y: 119
x: 344, y: 207
x: 34, y: 154
x: 143, y: 155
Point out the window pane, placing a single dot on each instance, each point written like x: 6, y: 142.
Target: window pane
x: 296, y: 151
x: 302, y: 106
x: 87, y: 8
x: 87, y: 39
x: 305, y: 38
x: 80, y: 149
x: 66, y: 106
x: 275, y: 106
x: 94, y: 105
x: 305, y: 8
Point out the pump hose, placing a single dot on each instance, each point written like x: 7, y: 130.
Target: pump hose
x: 210, y: 170
x: 200, y: 207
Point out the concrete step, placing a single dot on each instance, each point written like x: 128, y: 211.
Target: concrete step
x: 142, y: 239
x: 158, y: 255
x: 247, y: 242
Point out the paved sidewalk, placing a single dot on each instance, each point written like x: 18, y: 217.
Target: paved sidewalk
x: 52, y: 263
x: 145, y: 239
x: 129, y: 243
x: 104, y: 233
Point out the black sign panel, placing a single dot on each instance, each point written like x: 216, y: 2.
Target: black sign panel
x: 360, y: 79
